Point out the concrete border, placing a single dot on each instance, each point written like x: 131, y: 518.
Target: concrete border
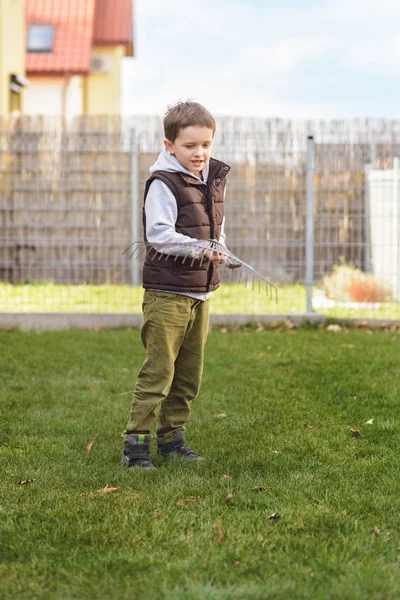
x: 64, y: 321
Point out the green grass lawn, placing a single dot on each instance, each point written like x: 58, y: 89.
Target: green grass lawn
x: 274, y: 415
x: 229, y: 299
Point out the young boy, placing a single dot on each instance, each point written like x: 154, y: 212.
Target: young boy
x: 183, y: 202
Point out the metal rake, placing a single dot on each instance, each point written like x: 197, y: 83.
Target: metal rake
x: 201, y: 250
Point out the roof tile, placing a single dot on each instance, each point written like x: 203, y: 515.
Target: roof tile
x: 113, y: 22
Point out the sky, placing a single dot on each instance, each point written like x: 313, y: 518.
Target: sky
x: 295, y: 59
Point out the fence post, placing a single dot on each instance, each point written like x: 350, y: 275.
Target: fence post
x: 134, y: 202
x: 310, y: 223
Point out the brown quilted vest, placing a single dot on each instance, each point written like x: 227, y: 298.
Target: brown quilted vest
x: 200, y: 215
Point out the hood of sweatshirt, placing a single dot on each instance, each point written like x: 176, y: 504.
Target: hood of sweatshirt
x: 169, y: 162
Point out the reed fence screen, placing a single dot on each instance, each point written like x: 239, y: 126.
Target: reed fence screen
x: 71, y: 203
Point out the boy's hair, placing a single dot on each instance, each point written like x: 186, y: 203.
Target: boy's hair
x: 186, y: 114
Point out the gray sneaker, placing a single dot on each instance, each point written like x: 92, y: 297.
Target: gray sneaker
x: 137, y: 452
x: 178, y: 448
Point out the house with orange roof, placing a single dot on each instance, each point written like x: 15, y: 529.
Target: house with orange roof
x: 73, y: 51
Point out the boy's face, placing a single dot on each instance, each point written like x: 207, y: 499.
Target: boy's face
x: 192, y: 147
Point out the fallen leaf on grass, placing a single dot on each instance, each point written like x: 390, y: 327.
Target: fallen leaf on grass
x: 220, y: 534
x: 89, y: 447
x: 308, y: 426
x: 258, y: 489
x: 9, y: 473
x: 387, y: 535
x: 355, y: 432
x: 229, y: 497
x: 235, y: 563
x: 135, y: 497
x: 344, y: 513
x: 221, y: 416
x: 225, y: 476
x: 335, y: 328
x: 274, y: 517
x: 369, y: 422
x: 189, y: 500
x: 376, y: 531
x: 107, y: 490
x: 361, y: 324
x: 26, y: 481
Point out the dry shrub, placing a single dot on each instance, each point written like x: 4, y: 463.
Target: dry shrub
x: 368, y: 290
x: 346, y: 283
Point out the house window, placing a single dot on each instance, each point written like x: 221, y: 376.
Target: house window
x: 40, y: 38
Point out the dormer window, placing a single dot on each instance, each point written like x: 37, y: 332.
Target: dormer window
x: 40, y: 39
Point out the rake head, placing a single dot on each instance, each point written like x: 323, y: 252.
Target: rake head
x: 202, y: 250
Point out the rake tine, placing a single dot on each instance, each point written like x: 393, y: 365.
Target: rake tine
x: 128, y: 248
x: 136, y: 250
x: 154, y: 253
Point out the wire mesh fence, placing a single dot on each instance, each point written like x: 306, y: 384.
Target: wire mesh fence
x: 71, y: 202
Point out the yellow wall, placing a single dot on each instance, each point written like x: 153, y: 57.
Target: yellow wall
x: 102, y: 91
x: 12, y: 47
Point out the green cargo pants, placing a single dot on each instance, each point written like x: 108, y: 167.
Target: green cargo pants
x: 174, y: 334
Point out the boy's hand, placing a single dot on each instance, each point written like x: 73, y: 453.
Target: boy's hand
x: 215, y: 257
x: 234, y: 265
